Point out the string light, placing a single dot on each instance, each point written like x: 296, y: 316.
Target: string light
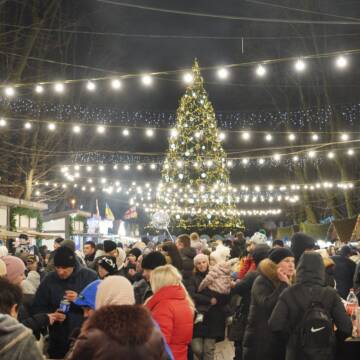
x: 76, y: 129
x: 146, y: 80
x: 344, y: 137
x: 2, y: 122
x: 100, y: 129
x: 149, y: 132
x: 27, y: 125
x: 291, y: 137
x: 101, y: 167
x: 153, y: 166
x: 174, y: 133
x: 315, y: 137
x: 260, y: 71
x: 126, y: 132
x: 341, y: 62
x: 268, y: 137
x: 59, y: 88
x: 312, y: 154
x: 261, y: 161
x: 223, y: 73
x: 330, y: 155
x: 88, y: 168
x: 295, y: 158
x: 188, y: 78
x: 39, y: 89
x: 51, y: 126
x: 350, y: 152
x: 277, y: 157
x: 90, y: 86
x: 9, y: 91
x: 139, y: 167
x: 116, y: 84
x: 246, y: 135
x: 222, y: 136
x: 300, y: 65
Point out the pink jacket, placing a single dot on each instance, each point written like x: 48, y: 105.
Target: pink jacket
x: 218, y: 279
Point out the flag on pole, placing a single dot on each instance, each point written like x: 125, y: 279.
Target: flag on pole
x: 108, y: 213
x: 131, y: 214
x: 97, y: 213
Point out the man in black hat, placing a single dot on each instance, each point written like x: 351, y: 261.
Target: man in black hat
x: 65, y: 283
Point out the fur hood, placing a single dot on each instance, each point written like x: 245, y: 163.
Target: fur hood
x: 268, y: 269
x: 328, y: 262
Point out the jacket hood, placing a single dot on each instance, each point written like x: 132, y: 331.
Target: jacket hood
x: 188, y: 252
x: 172, y: 292
x: 311, y: 269
x: 224, y: 268
x: 268, y: 269
x: 11, y: 333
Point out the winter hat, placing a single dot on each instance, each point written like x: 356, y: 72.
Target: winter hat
x: 31, y: 283
x: 109, y: 245
x: 14, y: 267
x: 3, y: 251
x: 153, y: 260
x: 200, y: 257
x: 88, y: 295
x: 2, y: 269
x: 220, y: 254
x: 139, y: 245
x: 301, y: 242
x: 345, y: 251
x: 64, y: 257
x: 278, y: 254
x: 260, y: 252
x: 69, y: 244
x: 114, y: 290
x: 258, y: 238
x: 135, y: 252
x: 24, y: 239
x: 108, y: 263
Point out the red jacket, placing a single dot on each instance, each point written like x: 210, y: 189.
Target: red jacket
x: 247, y: 265
x: 170, y: 309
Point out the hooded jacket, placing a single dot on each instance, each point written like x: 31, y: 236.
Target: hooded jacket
x: 16, y: 341
x: 218, y: 279
x: 47, y: 300
x: 187, y: 256
x: 259, y: 344
x: 309, y: 286
x: 170, y: 308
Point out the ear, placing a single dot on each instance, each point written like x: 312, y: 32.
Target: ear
x: 14, y: 311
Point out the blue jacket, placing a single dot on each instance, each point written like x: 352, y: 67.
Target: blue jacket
x: 47, y: 300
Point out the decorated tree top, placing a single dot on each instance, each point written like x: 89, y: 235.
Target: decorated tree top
x: 195, y: 188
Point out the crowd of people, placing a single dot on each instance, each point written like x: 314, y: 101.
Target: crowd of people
x: 176, y: 300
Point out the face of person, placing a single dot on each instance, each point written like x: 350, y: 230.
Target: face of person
x: 287, y: 265
x: 88, y: 312
x: 19, y: 279
x: 202, y: 266
x: 88, y: 250
x: 132, y: 259
x: 250, y: 247
x: 102, y: 272
x: 56, y: 245
x: 179, y: 244
x: 113, y: 253
x: 146, y: 274
x: 64, y: 272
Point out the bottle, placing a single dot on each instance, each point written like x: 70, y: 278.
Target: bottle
x: 64, y: 306
x: 352, y: 305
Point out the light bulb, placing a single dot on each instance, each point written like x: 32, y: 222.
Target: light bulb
x: 315, y: 137
x: 344, y: 137
x: 126, y: 132
x: 295, y: 158
x: 27, y: 125
x: 90, y: 86
x: 223, y: 73
x: 116, y: 84
x: 9, y: 91
x: 312, y: 154
x: 149, y: 132
x: 292, y: 137
x: 59, y: 88
x: 39, y: 89
x: 260, y: 71
x: 245, y: 135
x: 268, y: 137
x: 341, y: 62
x: 350, y: 152
x: 222, y: 136
x: 174, y: 133
x: 188, y: 78
x: 2, y: 122
x: 76, y: 129
x: 300, y: 65
x: 330, y: 155
x: 277, y: 157
x: 261, y: 161
x: 147, y: 80
x: 51, y: 126
x: 88, y: 168
x: 100, y: 129
x: 153, y: 166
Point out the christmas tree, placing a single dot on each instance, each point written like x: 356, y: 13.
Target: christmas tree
x: 195, y: 189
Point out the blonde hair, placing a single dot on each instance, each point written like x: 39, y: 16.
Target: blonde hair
x: 168, y: 275
x: 194, y: 236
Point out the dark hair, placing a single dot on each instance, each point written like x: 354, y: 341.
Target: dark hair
x: 11, y: 246
x: 185, y: 240
x: 278, y: 243
x: 59, y: 240
x: 99, y: 246
x: 120, y: 245
x: 10, y: 295
x: 91, y: 243
x: 23, y: 236
x: 174, y: 254
x: 145, y: 240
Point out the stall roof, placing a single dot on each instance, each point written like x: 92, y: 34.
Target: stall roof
x: 7, y: 233
x: 63, y: 214
x: 10, y: 201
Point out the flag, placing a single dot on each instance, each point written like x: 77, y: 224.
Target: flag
x: 97, y: 213
x: 131, y: 214
x: 108, y: 213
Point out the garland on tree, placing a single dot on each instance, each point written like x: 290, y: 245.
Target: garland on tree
x: 31, y: 213
x: 77, y: 218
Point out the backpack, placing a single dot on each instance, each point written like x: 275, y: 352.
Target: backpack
x: 314, y: 335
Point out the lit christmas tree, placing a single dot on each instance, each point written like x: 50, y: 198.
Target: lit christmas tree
x: 195, y: 189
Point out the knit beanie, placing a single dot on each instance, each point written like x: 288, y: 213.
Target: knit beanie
x: 64, y: 257
x: 220, y: 254
x: 114, y: 290
x: 109, y: 245
x: 135, y: 252
x: 260, y: 252
x: 14, y: 267
x: 69, y: 244
x: 2, y: 269
x: 278, y: 254
x: 301, y: 242
x: 258, y: 238
x: 153, y: 260
x: 200, y: 257
x: 108, y: 263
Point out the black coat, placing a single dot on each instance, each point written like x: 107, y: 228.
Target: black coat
x: 213, y: 324
x: 187, y: 256
x: 344, y: 274
x: 259, y: 344
x: 293, y: 302
x: 47, y: 300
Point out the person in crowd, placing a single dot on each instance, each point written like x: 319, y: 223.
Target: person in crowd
x: 99, y: 250
x: 247, y: 263
x: 121, y: 255
x: 294, y: 302
x: 106, y: 266
x: 3, y: 251
x: 243, y: 288
x: 276, y: 274
x: 195, y: 241
x: 3, y: 271
x: 16, y: 341
x: 209, y: 327
x: 344, y: 271
x: 172, y: 255
x: 131, y: 265
x: 15, y: 269
x: 78, y: 254
x: 187, y: 253
x: 331, y: 250
x: 89, y: 252
x: 44, y: 251
x: 126, y: 331
x: 329, y: 268
x: 142, y: 288
x: 114, y: 290
x: 300, y: 243
x: 278, y: 244
x: 172, y: 308
x: 109, y: 248
x: 238, y: 249
x: 86, y: 299
x: 64, y: 284
x: 10, y: 244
